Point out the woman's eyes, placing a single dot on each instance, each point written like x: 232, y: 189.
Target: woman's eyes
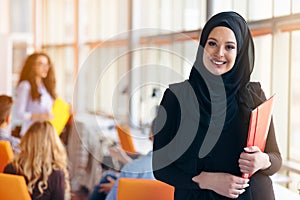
x: 227, y: 47
x: 40, y: 64
x: 230, y: 47
x: 211, y: 43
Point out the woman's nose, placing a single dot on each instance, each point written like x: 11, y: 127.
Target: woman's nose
x: 219, y: 52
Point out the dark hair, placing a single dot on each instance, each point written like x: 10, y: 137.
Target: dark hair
x: 28, y: 74
x: 5, y: 107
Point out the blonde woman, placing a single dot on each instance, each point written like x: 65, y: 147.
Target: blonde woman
x: 43, y: 163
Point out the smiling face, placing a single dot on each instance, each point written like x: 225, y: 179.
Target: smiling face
x: 42, y: 67
x: 220, y: 50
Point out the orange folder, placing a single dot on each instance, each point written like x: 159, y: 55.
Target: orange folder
x: 259, y: 126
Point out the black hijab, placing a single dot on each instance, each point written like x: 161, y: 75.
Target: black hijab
x: 239, y: 76
x: 218, y: 95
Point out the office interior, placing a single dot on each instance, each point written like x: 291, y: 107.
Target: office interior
x: 115, y: 58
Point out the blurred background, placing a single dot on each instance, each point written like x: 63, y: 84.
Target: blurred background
x: 115, y: 58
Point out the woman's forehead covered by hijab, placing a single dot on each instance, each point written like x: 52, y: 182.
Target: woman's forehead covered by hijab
x: 230, y: 20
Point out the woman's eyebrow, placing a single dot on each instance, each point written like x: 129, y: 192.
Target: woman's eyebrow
x: 230, y: 42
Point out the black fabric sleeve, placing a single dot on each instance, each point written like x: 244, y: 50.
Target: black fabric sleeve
x: 174, y: 173
x: 271, y: 144
x: 273, y: 151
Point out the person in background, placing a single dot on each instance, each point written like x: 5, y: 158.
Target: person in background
x: 43, y: 162
x: 6, y: 103
x: 109, y: 174
x: 138, y: 168
x: 201, y: 129
x: 35, y: 92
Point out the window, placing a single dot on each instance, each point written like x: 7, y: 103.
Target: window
x: 282, y: 8
x: 295, y: 6
x: 58, y: 11
x: 258, y: 9
x: 21, y: 16
x: 262, y: 65
x: 295, y: 98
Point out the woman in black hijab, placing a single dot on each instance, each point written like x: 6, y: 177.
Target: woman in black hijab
x: 202, y: 123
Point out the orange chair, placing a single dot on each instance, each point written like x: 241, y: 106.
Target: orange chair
x: 13, y: 187
x: 6, y: 154
x: 146, y: 189
x: 125, y: 139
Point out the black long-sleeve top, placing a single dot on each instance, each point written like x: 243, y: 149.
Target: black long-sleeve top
x: 222, y: 158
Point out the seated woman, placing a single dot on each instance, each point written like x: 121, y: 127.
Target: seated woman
x: 43, y: 163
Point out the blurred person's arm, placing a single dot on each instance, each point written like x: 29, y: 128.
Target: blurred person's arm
x: 23, y: 97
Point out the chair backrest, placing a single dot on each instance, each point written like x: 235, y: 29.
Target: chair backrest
x: 6, y: 154
x: 146, y: 189
x: 13, y: 187
x: 125, y: 139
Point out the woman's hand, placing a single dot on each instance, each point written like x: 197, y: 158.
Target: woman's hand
x: 106, y: 187
x: 253, y: 160
x: 42, y: 116
x: 222, y: 183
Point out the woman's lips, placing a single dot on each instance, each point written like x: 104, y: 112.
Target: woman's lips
x: 217, y: 62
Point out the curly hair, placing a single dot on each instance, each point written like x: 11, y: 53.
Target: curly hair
x: 28, y: 74
x: 41, y: 152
